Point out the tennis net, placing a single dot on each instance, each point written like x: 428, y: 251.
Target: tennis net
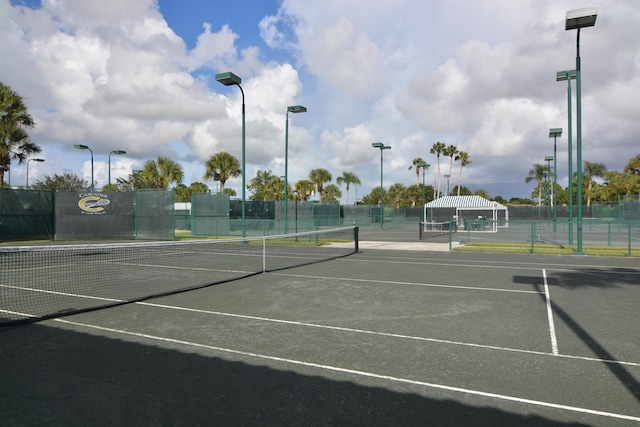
x: 40, y: 282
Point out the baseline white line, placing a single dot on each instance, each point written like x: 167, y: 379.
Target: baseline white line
x: 490, y: 264
x: 552, y: 328
x: 393, y: 282
x: 377, y: 333
x: 531, y: 402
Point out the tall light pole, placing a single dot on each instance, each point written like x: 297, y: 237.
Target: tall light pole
x: 31, y: 160
x: 568, y: 75
x: 382, y: 147
x: 85, y: 147
x: 551, y: 181
x: 447, y: 176
x: 113, y: 152
x: 555, y: 133
x: 575, y: 20
x: 290, y: 109
x: 230, y: 79
x: 423, y: 166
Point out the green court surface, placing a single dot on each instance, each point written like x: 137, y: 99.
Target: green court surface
x: 381, y: 337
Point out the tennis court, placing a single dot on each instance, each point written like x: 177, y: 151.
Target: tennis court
x: 380, y: 337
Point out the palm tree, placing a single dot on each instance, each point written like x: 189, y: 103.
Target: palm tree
x: 305, y: 189
x: 537, y: 174
x: 437, y: 149
x: 592, y: 170
x: 258, y: 185
x: 464, y: 159
x: 162, y: 173
x: 450, y: 151
x: 348, y: 178
x: 394, y: 196
x: 331, y: 193
x: 14, y: 122
x: 319, y: 177
x: 416, y: 164
x: 221, y: 167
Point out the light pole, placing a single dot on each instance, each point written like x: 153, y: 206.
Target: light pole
x: 447, y: 176
x: 555, y: 133
x: 552, y: 182
x: 295, y: 193
x: 568, y: 75
x: 113, y: 152
x: 230, y: 79
x: 290, y: 109
x: 30, y: 160
x: 423, y: 166
x: 546, y: 191
x: 575, y: 20
x: 85, y: 147
x: 382, y: 147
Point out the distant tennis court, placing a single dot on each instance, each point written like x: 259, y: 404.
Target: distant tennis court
x: 380, y: 337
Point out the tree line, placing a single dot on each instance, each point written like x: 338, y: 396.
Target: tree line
x: 612, y: 185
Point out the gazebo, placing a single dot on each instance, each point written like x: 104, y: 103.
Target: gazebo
x: 465, y: 209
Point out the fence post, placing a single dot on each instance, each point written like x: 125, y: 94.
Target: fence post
x: 533, y: 236
x: 629, y: 238
x: 451, y: 225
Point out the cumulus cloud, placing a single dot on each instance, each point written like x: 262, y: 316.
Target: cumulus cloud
x: 408, y: 73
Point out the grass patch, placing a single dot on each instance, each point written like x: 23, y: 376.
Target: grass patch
x: 545, y: 249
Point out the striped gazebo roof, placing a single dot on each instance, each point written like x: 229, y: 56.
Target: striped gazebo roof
x: 464, y: 202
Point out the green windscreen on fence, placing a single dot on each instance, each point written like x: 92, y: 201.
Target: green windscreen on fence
x: 26, y: 215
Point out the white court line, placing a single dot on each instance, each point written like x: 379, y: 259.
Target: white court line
x: 490, y: 264
x: 382, y: 334
x: 532, y: 402
x: 393, y: 282
x: 552, y: 328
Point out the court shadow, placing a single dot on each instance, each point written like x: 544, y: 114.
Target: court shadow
x: 609, y: 360
x: 58, y: 377
x: 589, y: 277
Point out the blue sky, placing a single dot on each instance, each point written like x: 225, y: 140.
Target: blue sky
x: 138, y: 76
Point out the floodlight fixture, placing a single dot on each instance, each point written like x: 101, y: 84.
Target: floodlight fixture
x: 230, y: 79
x: 382, y: 147
x: 575, y: 20
x: 31, y: 160
x: 581, y: 18
x: 112, y: 152
x: 86, y: 147
x: 562, y: 76
x: 290, y: 109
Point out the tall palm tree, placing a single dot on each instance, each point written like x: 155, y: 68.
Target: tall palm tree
x: 14, y: 122
x: 348, y: 178
x: 416, y: 164
x: 591, y: 170
x: 464, y: 159
x: 437, y: 149
x: 162, y: 173
x: 221, y: 167
x: 537, y: 174
x: 450, y: 151
x: 319, y: 177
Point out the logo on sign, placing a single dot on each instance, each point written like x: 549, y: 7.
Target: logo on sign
x: 93, y: 203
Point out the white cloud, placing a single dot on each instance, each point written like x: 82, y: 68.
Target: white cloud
x: 480, y: 75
